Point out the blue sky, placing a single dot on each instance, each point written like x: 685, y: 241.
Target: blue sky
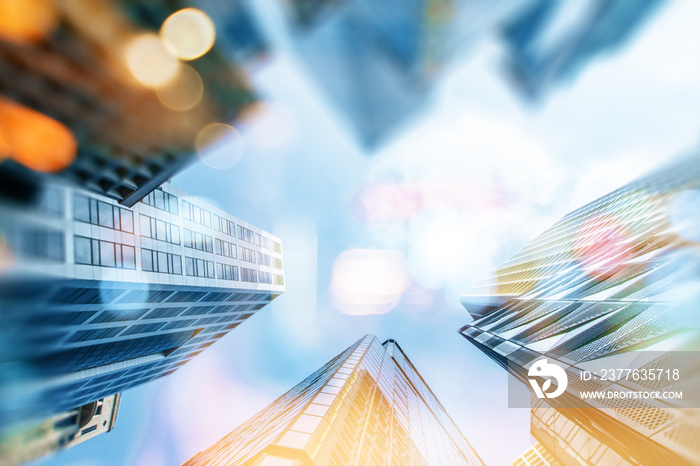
x: 301, y: 177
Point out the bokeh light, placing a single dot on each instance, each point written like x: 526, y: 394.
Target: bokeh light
x: 188, y: 33
x: 35, y: 140
x: 27, y: 21
x: 219, y: 146
x: 150, y: 61
x: 367, y: 281
x: 184, y: 92
x: 684, y: 215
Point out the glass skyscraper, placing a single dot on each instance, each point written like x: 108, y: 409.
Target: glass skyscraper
x: 97, y: 298
x: 368, y: 405
x: 615, y: 276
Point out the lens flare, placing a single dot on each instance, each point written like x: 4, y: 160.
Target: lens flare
x: 150, y: 62
x: 188, y: 33
x: 184, y: 92
x: 219, y: 146
x: 27, y: 21
x: 367, y: 281
x: 35, y: 140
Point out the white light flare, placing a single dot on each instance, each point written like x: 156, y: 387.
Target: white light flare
x: 368, y: 281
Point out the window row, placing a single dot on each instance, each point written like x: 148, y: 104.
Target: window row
x: 104, y: 253
x: 196, y: 214
x: 100, y: 213
x: 246, y: 234
x: 41, y: 244
x: 226, y: 272
x: 249, y: 275
x: 223, y: 225
x: 162, y: 200
x: 162, y: 262
x: 199, y: 268
x: 264, y: 259
x: 246, y: 254
x: 196, y: 240
x: 160, y: 230
x: 224, y: 248
x: 265, y: 277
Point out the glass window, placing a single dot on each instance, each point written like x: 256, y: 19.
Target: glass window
x: 93, y: 211
x: 128, y: 257
x: 210, y: 269
x: 175, y: 234
x: 186, y: 210
x: 145, y: 225
x: 189, y: 266
x: 127, y: 220
x: 188, y: 238
x: 177, y: 264
x: 160, y: 230
x: 83, y: 255
x: 105, y: 219
x: 162, y: 262
x: 173, y: 204
x: 160, y: 199
x: 146, y: 260
x: 95, y: 252
x: 117, y: 221
x: 107, y: 254
x: 81, y: 208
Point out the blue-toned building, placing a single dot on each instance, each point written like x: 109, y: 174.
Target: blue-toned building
x: 551, y: 41
x: 616, y: 279
x: 97, y: 298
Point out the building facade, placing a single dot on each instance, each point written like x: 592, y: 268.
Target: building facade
x: 368, y: 405
x: 97, y: 298
x: 616, y: 276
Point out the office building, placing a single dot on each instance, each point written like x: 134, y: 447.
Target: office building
x: 377, y: 61
x: 617, y: 275
x: 368, y: 405
x: 97, y: 298
x: 551, y: 41
x: 102, y: 91
x: 61, y: 431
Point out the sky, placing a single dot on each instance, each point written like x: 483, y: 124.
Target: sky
x: 496, y: 172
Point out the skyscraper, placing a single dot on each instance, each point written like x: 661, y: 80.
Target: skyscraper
x: 377, y: 61
x: 97, y: 298
x: 551, y: 41
x: 615, y: 276
x: 368, y: 405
